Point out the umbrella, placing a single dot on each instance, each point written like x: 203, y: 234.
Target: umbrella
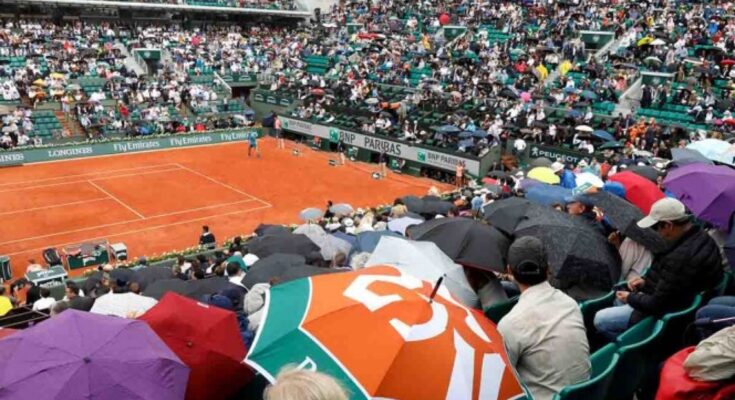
x: 4, y: 332
x: 541, y: 162
x: 658, y: 42
x: 311, y: 214
x: 498, y: 174
x: 465, y: 135
x: 604, y: 135
x: 367, y: 241
x: 277, y: 266
x: 146, y: 276
x: 424, y: 260
x: 193, y: 289
x: 436, y: 206
x: 449, y: 129
x: 414, y: 204
x: 611, y: 146
x: 39, y: 82
x: 584, y: 128
x: 730, y: 246
x: 329, y: 246
x: 727, y: 61
x: 624, y: 216
x: 265, y: 229
x: 57, y: 75
x: 645, y: 41
x: 122, y: 274
x: 589, y: 178
x: 545, y: 175
x: 341, y: 209
x: 122, y: 304
x: 272, y: 244
x: 506, y: 214
x: 713, y: 149
x: 382, y: 310
x: 645, y: 171
x: 688, y: 156
x: 548, y: 195
x: 80, y: 355
x: 579, y: 256
x: 207, y: 339
x: 479, y: 133
x: 652, y: 61
x: 589, y: 95
x: 574, y: 114
x: 638, y: 190
x: 399, y: 225
x: 707, y: 190
x: 466, y: 241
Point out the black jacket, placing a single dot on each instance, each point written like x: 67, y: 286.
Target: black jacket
x: 691, y: 265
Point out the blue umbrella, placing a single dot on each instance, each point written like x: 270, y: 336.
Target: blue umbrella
x: 465, y: 135
x: 351, y: 239
x: 367, y: 241
x: 309, y: 214
x: 467, y: 143
x: 569, y: 90
x: 604, y: 135
x: 548, y: 194
x: 447, y: 129
x: 574, y: 114
x: 590, y: 95
x: 479, y: 134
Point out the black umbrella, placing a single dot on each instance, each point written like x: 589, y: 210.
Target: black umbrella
x: 270, y: 267
x: 624, y: 217
x: 541, y: 162
x: 148, y: 275
x: 266, y: 229
x: 198, y: 288
x: 497, y: 174
x: 645, y: 171
x: 291, y: 243
x: 688, y: 156
x: 305, y: 272
x: 435, y: 207
x: 506, y: 214
x: 466, y: 241
x: 414, y: 204
x: 90, y: 284
x: 579, y: 256
x: 122, y: 274
x: 508, y: 94
x: 159, y: 288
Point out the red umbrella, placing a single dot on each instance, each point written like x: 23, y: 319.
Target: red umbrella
x: 638, y: 190
x: 489, y: 181
x: 6, y: 332
x: 207, y: 339
x: 444, y: 19
x: 727, y: 62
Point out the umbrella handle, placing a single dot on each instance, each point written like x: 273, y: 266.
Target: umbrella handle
x: 436, y: 289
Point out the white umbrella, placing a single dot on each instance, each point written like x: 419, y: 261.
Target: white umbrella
x: 658, y: 42
x: 584, y: 128
x: 400, y: 225
x: 328, y: 245
x: 426, y: 261
x: 122, y: 304
x: 309, y: 214
x: 341, y: 209
x: 588, y: 177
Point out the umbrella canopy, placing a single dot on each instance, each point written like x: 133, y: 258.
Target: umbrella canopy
x: 341, y: 209
x: 730, y: 247
x: 193, y: 289
x: 578, y: 255
x: 545, y: 175
x: 306, y: 322
x: 624, y: 216
x: 611, y: 146
x: 425, y: 261
x: 638, y: 190
x: 541, y: 162
x: 329, y: 245
x: 688, y: 156
x: 604, y: 135
x: 7, y: 332
x: 710, y: 148
x: 80, y: 355
x: 506, y: 214
x: 466, y: 241
x: 589, y: 178
x: 707, y: 190
x: 584, y: 128
x: 413, y: 204
x: 207, y: 339
x: 450, y: 129
x: 122, y: 304
x: 289, y: 243
x: 277, y: 266
x: 548, y: 195
x: 367, y: 241
x: 146, y: 276
x: 399, y: 225
x: 645, y: 171
x: 266, y: 229
x: 310, y: 214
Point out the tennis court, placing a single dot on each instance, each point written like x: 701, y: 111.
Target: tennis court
x: 157, y: 201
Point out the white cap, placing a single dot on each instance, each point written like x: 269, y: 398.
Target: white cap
x: 666, y: 209
x: 557, y: 166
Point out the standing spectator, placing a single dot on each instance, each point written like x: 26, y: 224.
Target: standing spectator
x: 544, y: 333
x: 207, y: 239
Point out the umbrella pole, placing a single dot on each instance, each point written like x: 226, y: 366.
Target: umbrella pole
x: 436, y: 289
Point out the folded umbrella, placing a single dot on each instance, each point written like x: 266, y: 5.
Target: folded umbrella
x: 638, y: 190
x: 466, y: 241
x: 624, y: 217
x: 545, y: 175
x: 392, y: 327
x: 707, y: 190
x: 506, y: 214
x: 290, y: 243
x: 80, y: 355
x: 548, y: 195
x: 425, y: 261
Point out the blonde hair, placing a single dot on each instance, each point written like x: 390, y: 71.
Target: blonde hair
x: 300, y: 384
x: 398, y: 211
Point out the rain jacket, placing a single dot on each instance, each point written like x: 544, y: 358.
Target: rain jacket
x: 691, y: 265
x: 568, y: 180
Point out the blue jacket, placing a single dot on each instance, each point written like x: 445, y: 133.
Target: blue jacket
x: 568, y: 180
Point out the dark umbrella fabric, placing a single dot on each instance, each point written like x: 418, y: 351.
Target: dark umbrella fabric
x: 414, y: 204
x: 273, y: 244
x: 645, y: 171
x: 578, y: 255
x: 305, y: 272
x: 194, y: 289
x: 270, y: 267
x: 506, y: 214
x: 730, y: 247
x: 541, y: 162
x: 466, y: 241
x: 80, y: 355
x: 122, y: 274
x: 624, y: 216
x: 266, y: 229
x: 148, y: 275
x: 683, y: 157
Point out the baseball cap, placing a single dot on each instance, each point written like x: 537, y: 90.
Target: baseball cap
x: 557, y: 166
x: 667, y: 209
x: 527, y: 250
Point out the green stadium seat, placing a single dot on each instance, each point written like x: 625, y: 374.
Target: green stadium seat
x: 635, y: 347
x: 497, y: 311
x: 674, y: 325
x: 604, y: 362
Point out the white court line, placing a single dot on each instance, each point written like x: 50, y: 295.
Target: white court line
x: 87, y: 174
x: 86, y: 180
x: 200, y: 208
x: 222, y: 184
x: 122, y: 203
x: 54, y: 206
x: 128, y: 232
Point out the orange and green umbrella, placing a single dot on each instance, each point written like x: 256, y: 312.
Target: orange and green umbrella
x: 383, y: 333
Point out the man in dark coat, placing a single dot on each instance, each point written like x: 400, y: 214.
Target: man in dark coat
x: 207, y: 239
x: 76, y: 301
x: 691, y: 265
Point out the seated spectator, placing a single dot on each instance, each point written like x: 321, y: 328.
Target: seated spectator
x: 690, y: 265
x: 45, y: 302
x: 544, y: 333
x: 300, y: 384
x: 5, y: 304
x: 75, y: 300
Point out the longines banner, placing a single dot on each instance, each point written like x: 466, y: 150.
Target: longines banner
x: 379, y: 144
x: 119, y: 147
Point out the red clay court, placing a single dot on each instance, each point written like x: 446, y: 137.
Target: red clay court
x: 156, y: 202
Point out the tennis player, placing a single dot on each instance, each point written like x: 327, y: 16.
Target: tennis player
x: 253, y: 144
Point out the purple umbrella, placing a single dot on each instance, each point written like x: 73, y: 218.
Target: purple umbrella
x: 78, y: 355
x: 708, y: 190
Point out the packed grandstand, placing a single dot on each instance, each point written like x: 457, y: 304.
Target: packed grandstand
x: 575, y: 241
